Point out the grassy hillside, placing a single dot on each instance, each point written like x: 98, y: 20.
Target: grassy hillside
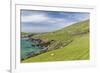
x: 69, y: 43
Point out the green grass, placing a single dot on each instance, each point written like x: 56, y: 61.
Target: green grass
x: 77, y: 49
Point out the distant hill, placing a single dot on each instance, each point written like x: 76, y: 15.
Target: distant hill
x: 69, y: 43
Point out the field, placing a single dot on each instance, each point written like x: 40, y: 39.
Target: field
x: 69, y: 43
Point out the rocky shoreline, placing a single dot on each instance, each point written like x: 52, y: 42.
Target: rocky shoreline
x: 36, y: 43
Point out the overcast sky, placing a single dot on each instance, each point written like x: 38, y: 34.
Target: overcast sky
x: 47, y: 21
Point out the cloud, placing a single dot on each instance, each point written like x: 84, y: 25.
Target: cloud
x: 41, y: 17
x: 34, y: 18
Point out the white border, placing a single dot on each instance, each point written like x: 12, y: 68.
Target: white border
x: 17, y: 66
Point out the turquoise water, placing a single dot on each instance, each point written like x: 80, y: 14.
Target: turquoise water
x: 27, y: 48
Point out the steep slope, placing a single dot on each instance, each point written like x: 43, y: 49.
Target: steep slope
x: 70, y: 43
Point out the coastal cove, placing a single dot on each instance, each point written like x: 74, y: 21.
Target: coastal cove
x: 31, y: 47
